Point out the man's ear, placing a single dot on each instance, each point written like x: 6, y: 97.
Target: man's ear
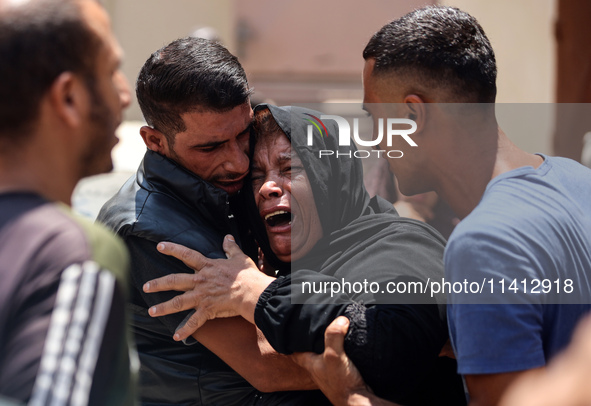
x: 68, y: 95
x: 416, y: 110
x: 154, y: 140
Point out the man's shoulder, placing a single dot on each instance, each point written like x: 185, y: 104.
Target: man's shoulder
x: 522, y: 225
x: 45, y: 238
x: 492, y: 237
x: 488, y: 221
x: 156, y: 216
x: 105, y: 248
x: 164, y: 218
x: 569, y: 165
x: 123, y: 208
x: 152, y: 211
x: 530, y: 205
x: 94, y: 241
x: 558, y: 184
x: 513, y: 208
x: 37, y: 221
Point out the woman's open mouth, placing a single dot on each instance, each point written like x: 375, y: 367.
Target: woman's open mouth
x: 278, y: 218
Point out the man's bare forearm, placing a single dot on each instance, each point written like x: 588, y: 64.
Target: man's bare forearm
x: 244, y: 348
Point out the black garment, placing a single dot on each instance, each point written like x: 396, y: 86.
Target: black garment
x: 63, y: 331
x: 164, y: 202
x: 395, y: 344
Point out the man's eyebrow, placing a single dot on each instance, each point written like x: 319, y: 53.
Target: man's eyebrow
x: 211, y: 144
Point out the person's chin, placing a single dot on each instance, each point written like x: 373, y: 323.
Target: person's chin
x: 97, y: 168
x: 230, y: 188
x: 281, y: 248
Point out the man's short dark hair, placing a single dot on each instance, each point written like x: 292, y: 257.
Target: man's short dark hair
x: 442, y: 46
x: 189, y: 74
x: 38, y: 42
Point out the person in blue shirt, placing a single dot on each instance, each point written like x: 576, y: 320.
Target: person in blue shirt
x: 521, y: 256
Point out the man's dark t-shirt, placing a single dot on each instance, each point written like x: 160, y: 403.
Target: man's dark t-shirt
x: 63, y: 332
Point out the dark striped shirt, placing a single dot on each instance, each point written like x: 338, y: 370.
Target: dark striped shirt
x: 63, y: 334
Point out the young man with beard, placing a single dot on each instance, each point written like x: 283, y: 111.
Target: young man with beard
x: 525, y: 217
x: 63, y: 335
x: 195, y: 98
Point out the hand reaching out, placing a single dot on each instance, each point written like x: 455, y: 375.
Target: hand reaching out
x: 219, y: 288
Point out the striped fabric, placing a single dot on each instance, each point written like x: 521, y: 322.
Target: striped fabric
x: 75, y: 336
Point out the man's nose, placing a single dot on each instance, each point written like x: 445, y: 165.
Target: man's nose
x: 123, y: 89
x: 237, y: 160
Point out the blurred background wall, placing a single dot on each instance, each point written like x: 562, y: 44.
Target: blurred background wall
x: 310, y: 50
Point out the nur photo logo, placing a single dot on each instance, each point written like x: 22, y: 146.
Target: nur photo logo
x: 388, y: 128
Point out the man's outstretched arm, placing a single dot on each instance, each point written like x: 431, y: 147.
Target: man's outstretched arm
x: 217, y: 294
x: 244, y: 348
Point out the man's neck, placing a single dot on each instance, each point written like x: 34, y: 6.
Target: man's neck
x: 32, y: 173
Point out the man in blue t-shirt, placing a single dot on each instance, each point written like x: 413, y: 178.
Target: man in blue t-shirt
x: 530, y: 236
x: 519, y: 260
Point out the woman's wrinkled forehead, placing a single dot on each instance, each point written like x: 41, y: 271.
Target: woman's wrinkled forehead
x: 275, y: 150
x: 275, y: 145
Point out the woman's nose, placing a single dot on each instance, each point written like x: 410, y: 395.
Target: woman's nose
x: 270, y: 189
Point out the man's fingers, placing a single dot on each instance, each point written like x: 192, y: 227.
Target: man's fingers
x: 191, y: 258
x: 230, y: 247
x: 191, y: 325
x: 181, y: 282
x: 334, y: 336
x: 174, y: 305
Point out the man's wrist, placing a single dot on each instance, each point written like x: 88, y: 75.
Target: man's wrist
x: 254, y: 285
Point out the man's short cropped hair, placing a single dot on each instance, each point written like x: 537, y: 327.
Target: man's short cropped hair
x: 39, y: 40
x: 442, y: 47
x: 189, y: 74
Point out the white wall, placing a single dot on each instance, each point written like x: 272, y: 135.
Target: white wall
x: 143, y: 26
x: 521, y: 32
x: 522, y: 36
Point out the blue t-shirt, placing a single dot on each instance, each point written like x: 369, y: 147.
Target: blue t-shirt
x: 531, y: 225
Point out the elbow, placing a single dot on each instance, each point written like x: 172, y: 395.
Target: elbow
x: 272, y: 386
x: 266, y: 384
x: 268, y: 380
x: 262, y: 377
